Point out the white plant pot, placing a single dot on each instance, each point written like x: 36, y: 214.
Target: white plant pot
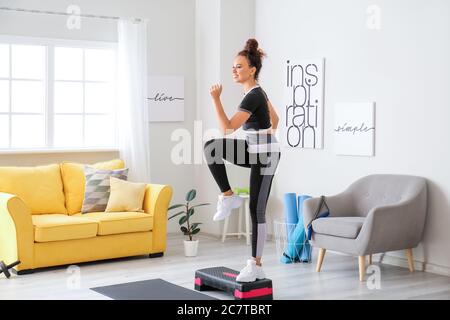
x: 190, y: 248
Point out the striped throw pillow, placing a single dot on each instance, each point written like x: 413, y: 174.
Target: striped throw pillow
x: 97, y: 187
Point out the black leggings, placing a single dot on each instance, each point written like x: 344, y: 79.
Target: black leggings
x: 262, y: 169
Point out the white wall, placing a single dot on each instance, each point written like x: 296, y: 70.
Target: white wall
x: 223, y: 26
x: 171, y: 51
x: 208, y: 71
x: 403, y: 67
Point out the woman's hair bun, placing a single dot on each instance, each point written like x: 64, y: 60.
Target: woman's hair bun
x: 254, y: 55
x: 251, y: 45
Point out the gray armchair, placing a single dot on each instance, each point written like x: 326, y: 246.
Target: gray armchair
x: 377, y: 213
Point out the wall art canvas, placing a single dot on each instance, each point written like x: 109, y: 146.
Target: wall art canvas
x: 166, y: 98
x: 302, y: 125
x: 354, y: 129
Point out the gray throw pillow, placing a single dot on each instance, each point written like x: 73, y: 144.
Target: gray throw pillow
x: 97, y: 187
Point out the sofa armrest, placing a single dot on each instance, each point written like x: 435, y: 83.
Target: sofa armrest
x: 156, y: 202
x: 340, y: 205
x: 16, y: 232
x: 394, y: 227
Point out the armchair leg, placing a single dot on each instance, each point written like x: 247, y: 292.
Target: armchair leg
x: 320, y: 259
x: 370, y: 259
x: 362, y: 267
x: 409, y: 254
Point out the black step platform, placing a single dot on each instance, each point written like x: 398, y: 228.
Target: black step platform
x: 224, y: 279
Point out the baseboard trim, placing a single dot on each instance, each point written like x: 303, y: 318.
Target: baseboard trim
x: 418, y: 265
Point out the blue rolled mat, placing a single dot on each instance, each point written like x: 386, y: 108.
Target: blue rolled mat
x: 291, y: 219
x: 293, y: 250
x: 290, y: 208
x: 301, y: 199
x: 291, y: 212
x: 298, y: 248
x: 305, y: 253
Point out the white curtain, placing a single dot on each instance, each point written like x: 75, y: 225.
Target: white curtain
x: 132, y: 120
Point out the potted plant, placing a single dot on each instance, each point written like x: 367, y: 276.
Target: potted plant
x: 186, y: 225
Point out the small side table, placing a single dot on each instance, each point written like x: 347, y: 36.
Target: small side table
x: 243, y: 209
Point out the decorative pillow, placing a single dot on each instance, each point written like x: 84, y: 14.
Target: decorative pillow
x: 97, y: 187
x: 125, y: 196
x: 72, y: 174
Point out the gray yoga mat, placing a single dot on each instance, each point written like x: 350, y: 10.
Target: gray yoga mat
x: 154, y: 289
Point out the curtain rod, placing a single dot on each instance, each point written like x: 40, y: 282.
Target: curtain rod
x: 64, y: 13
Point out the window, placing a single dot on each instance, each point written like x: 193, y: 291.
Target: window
x: 56, y: 94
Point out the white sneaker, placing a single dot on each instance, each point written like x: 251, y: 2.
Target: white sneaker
x: 251, y: 272
x: 225, y: 205
x: 260, y: 273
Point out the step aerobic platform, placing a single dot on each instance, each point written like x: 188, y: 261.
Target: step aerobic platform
x: 224, y: 279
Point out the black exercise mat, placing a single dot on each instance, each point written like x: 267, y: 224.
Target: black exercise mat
x: 154, y: 289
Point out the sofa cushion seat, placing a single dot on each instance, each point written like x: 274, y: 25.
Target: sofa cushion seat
x: 58, y: 227
x: 344, y: 227
x: 119, y: 222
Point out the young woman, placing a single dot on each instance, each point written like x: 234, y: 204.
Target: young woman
x: 259, y: 151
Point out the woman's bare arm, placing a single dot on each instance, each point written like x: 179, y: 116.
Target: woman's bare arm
x: 227, y: 125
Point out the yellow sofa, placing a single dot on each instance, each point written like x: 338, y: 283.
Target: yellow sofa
x: 41, y: 224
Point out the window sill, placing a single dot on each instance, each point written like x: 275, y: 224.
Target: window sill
x: 56, y: 150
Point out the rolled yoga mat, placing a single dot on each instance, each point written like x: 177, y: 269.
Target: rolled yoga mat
x: 291, y: 220
x: 305, y: 252
x: 291, y: 212
x: 301, y: 199
x: 298, y: 248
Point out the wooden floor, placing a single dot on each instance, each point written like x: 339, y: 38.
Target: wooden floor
x: 337, y: 280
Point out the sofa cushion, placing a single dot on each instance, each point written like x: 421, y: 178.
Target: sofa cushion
x: 345, y: 227
x: 126, y: 196
x: 40, y: 187
x: 73, y: 179
x: 58, y: 227
x: 97, y: 188
x: 120, y: 222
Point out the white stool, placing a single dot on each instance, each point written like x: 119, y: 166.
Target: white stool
x: 244, y: 208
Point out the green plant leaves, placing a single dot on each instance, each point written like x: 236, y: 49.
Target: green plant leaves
x: 182, y: 220
x: 175, y: 206
x: 191, y: 195
x: 177, y: 214
x: 193, y: 228
x: 195, y: 225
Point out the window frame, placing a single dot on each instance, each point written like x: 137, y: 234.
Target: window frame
x: 49, y: 84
